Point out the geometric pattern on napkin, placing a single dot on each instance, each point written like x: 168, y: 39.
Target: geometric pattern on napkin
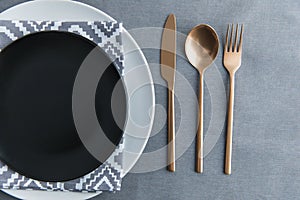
x: 107, y: 177
x: 105, y: 34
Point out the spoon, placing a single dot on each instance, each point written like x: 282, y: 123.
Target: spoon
x: 201, y: 48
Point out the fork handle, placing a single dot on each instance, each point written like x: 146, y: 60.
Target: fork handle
x: 171, y: 131
x: 229, y: 127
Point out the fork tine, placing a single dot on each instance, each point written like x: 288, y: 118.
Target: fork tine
x: 236, y: 37
x: 231, y: 38
x: 226, y: 43
x: 241, y: 38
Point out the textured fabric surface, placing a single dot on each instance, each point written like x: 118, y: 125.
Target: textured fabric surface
x: 266, y: 161
x: 107, y: 35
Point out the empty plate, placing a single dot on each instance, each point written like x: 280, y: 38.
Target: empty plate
x: 38, y: 137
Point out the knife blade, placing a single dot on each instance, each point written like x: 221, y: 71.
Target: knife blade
x: 168, y: 68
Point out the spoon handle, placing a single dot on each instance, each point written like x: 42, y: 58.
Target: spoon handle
x: 199, y: 150
x: 229, y: 127
x: 171, y: 131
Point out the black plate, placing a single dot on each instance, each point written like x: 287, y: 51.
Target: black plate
x: 38, y: 137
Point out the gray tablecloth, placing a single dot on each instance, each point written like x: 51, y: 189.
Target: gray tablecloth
x: 266, y: 161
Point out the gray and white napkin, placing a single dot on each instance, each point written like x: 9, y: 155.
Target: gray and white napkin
x: 105, y: 34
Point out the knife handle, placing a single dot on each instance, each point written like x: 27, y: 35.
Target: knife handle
x: 171, y: 131
x: 199, y: 141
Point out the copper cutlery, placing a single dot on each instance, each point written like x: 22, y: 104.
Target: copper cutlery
x: 201, y: 49
x: 168, y: 68
x: 232, y: 61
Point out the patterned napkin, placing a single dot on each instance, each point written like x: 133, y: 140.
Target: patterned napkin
x: 108, y: 36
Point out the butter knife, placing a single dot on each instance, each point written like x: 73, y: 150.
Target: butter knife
x: 168, y: 67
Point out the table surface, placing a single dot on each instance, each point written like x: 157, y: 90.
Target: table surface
x: 266, y: 161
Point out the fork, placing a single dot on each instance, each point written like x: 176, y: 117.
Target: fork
x: 232, y: 61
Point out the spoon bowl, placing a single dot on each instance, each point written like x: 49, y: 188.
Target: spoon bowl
x: 201, y: 48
